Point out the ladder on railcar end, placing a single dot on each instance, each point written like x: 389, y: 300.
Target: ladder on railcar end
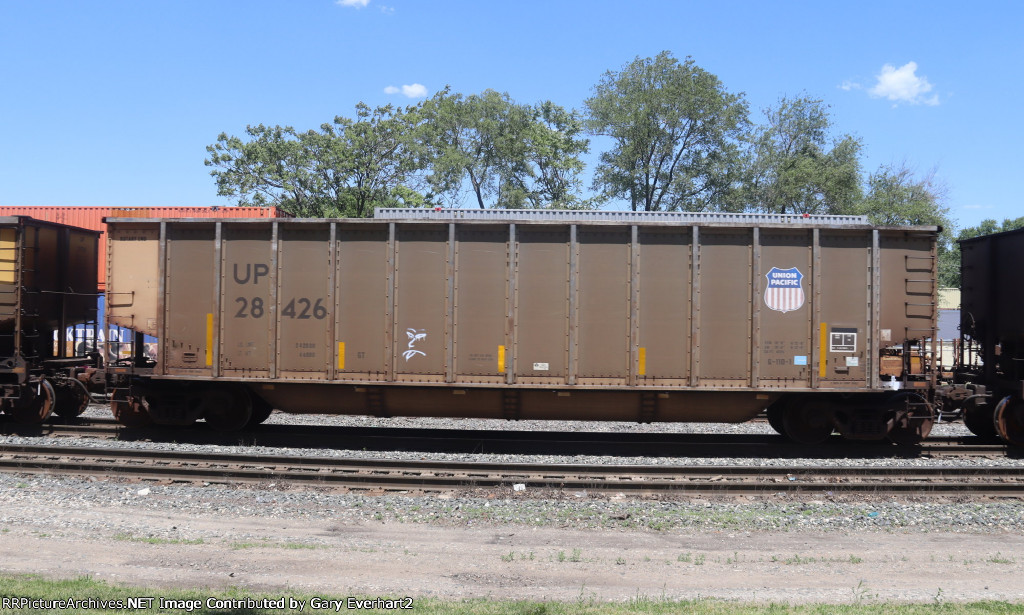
x: 925, y: 337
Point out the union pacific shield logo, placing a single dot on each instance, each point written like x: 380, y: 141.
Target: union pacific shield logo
x: 785, y: 292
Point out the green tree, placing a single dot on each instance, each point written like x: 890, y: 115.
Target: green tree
x: 372, y: 158
x: 550, y: 177
x: 272, y: 167
x: 793, y: 170
x: 897, y: 197
x: 509, y: 154
x: 989, y: 227
x: 675, y: 132
x: 469, y: 138
x: 345, y: 169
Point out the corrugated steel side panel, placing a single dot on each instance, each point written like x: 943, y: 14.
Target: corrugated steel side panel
x: 757, y: 308
x: 524, y: 320
x: 92, y: 218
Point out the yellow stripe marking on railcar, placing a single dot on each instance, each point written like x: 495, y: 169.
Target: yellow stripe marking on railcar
x: 209, y: 339
x: 642, y: 356
x: 341, y: 355
x: 823, y: 352
x: 501, y: 359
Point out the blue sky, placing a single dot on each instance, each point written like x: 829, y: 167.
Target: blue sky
x: 113, y: 103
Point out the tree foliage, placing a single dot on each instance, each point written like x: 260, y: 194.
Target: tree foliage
x: 552, y: 176
x: 896, y: 197
x: 345, y: 169
x: 509, y: 154
x: 675, y: 132
x: 372, y: 157
x: 792, y: 168
x: 272, y: 167
x: 677, y: 140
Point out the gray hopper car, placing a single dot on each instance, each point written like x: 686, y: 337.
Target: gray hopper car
x: 821, y: 320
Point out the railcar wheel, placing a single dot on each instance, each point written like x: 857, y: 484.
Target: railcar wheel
x: 980, y: 420
x: 914, y: 419
x: 130, y: 410
x: 261, y: 410
x: 35, y: 404
x: 72, y: 398
x: 1009, y: 420
x: 775, y: 413
x: 226, y: 408
x: 808, y: 421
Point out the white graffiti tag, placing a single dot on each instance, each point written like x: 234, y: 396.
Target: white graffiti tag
x: 415, y: 335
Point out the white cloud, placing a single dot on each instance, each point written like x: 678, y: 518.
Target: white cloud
x: 416, y: 90
x: 850, y: 85
x: 903, y: 85
x: 353, y: 3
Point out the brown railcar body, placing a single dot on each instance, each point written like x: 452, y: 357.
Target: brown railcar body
x: 567, y: 319
x: 47, y: 284
x: 47, y: 281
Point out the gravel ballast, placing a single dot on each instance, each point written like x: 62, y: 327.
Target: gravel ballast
x: 792, y: 548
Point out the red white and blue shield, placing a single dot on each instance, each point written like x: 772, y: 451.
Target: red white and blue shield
x: 784, y: 292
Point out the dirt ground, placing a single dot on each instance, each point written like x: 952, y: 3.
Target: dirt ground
x: 373, y: 558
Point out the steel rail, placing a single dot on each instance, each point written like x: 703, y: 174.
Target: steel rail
x: 437, y: 476
x: 502, y: 441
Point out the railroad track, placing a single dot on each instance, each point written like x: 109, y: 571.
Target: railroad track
x: 517, y: 442
x: 373, y: 475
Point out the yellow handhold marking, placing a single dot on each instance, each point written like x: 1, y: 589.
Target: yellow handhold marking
x: 822, y: 351
x: 209, y: 339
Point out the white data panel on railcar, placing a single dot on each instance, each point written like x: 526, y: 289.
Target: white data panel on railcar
x: 843, y: 340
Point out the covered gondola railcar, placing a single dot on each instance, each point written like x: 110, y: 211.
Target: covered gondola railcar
x: 47, y: 285
x: 823, y: 320
x: 992, y: 331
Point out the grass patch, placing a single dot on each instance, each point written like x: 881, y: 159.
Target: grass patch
x: 999, y: 558
x: 208, y: 602
x: 798, y: 560
x: 513, y: 556
x: 153, y: 540
x: 267, y: 544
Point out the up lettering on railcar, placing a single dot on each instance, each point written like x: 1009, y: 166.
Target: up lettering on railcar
x: 253, y: 271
